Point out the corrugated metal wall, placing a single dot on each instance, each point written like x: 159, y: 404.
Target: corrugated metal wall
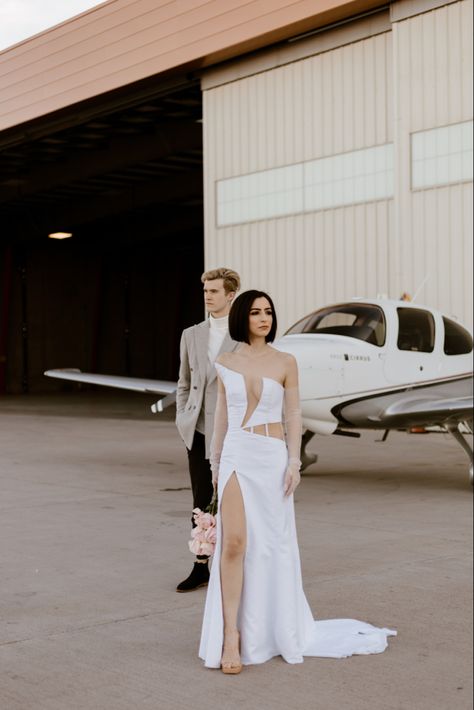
x: 433, y: 58
x: 367, y: 93
x: 331, y: 103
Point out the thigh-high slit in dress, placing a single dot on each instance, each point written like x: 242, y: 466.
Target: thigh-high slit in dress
x: 274, y: 616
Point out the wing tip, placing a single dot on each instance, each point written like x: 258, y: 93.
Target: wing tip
x: 53, y: 373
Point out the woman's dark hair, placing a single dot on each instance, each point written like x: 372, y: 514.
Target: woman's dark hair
x: 239, y: 316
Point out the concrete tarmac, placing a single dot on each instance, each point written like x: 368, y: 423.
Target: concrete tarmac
x: 94, y: 517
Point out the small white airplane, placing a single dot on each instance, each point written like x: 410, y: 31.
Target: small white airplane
x: 364, y: 364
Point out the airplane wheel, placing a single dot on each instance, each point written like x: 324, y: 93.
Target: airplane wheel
x: 307, y: 460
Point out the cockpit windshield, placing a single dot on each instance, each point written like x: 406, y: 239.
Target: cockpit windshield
x: 354, y: 320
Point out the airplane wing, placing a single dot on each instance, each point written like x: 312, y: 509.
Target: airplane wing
x: 420, y: 411
x: 135, y: 384
x: 444, y: 404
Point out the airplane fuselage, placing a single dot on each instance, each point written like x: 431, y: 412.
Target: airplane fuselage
x: 336, y: 370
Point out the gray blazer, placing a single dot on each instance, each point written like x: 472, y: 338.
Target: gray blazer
x: 194, y: 385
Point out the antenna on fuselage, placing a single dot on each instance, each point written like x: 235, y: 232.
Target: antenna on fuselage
x: 417, y: 292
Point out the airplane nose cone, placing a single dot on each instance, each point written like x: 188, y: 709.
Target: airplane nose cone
x: 292, y: 344
x: 320, y: 378
x: 300, y: 348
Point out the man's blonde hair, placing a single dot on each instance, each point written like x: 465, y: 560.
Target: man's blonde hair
x: 231, y: 278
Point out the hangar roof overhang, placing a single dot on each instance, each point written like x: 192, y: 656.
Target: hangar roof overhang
x: 120, y: 43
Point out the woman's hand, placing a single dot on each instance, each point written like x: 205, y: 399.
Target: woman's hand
x: 292, y: 479
x: 215, y: 477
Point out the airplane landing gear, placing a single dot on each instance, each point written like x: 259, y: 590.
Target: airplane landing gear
x: 307, y: 459
x: 454, y: 430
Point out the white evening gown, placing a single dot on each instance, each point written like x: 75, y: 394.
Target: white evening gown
x: 274, y: 616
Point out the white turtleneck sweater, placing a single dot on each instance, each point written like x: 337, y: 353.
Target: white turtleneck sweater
x: 218, y: 328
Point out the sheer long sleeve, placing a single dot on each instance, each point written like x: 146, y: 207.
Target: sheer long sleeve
x: 220, y: 429
x: 292, y: 415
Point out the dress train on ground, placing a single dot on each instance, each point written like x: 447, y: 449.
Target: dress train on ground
x: 274, y: 616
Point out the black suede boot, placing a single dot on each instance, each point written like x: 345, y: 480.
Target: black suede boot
x: 199, y: 577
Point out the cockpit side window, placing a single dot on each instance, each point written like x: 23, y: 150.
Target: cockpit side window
x: 457, y: 340
x: 416, y: 330
x: 354, y: 320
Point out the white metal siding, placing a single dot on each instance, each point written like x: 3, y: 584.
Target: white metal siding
x: 334, y: 102
x: 365, y: 93
x: 433, y: 87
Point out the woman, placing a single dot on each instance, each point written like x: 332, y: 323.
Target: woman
x: 255, y: 605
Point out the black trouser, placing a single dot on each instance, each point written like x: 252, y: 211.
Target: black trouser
x: 200, y: 472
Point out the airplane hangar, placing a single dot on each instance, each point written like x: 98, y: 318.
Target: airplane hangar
x: 324, y: 150
x: 127, y: 184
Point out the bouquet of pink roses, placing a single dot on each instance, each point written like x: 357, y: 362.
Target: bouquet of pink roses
x: 203, y: 536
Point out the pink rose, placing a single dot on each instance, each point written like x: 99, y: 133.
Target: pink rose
x: 204, y: 534
x: 211, y: 535
x: 195, y: 546
x: 206, y: 520
x: 207, y: 549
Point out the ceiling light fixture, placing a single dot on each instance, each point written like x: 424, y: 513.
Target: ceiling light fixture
x: 60, y: 235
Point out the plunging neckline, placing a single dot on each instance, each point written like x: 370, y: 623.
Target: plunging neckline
x: 248, y: 416
x: 272, y: 379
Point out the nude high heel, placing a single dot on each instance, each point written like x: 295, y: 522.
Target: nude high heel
x: 230, y: 668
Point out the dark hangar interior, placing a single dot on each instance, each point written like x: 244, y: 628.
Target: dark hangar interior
x: 123, y: 174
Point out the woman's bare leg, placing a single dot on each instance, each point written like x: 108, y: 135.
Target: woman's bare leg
x: 234, y: 539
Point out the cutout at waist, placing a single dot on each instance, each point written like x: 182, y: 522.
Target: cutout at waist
x: 274, y: 429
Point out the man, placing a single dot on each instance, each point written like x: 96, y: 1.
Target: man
x: 196, y: 394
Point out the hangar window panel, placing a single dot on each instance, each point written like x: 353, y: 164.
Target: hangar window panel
x: 360, y: 176
x: 416, y: 330
x: 442, y: 156
x: 262, y: 195
x: 457, y: 340
x: 349, y: 178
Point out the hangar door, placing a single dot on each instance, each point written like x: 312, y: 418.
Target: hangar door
x: 126, y: 181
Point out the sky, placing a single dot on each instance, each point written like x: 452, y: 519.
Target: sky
x: 20, y: 19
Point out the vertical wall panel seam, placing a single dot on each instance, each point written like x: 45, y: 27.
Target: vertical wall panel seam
x: 307, y: 259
